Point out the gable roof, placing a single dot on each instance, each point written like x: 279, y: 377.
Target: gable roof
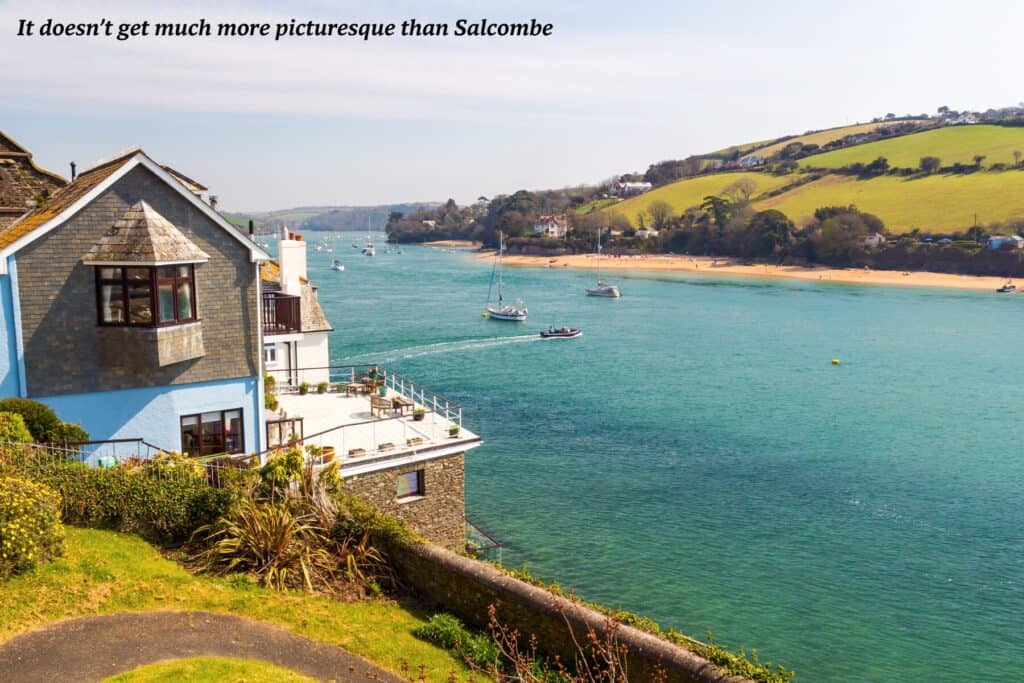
x: 72, y: 198
x: 141, y: 235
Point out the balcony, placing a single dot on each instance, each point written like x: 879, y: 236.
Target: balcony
x: 282, y: 314
x: 367, y: 418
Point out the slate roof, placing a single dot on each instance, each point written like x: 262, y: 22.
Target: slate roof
x: 141, y: 235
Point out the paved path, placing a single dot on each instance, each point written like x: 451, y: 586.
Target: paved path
x: 92, y: 648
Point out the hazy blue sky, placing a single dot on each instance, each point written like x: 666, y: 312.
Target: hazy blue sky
x: 618, y: 86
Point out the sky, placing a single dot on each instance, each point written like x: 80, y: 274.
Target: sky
x: 340, y: 121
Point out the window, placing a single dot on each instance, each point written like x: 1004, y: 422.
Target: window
x: 410, y: 484
x: 219, y: 431
x: 270, y: 353
x: 146, y: 296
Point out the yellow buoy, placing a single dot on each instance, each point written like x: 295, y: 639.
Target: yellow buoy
x: 836, y: 361
x: 484, y: 314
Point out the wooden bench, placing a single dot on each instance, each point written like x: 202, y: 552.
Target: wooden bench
x: 386, y: 446
x: 356, y: 452
x: 379, y: 404
x: 414, y: 441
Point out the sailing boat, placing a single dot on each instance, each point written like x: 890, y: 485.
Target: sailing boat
x: 603, y: 288
x: 502, y: 311
x: 369, y: 249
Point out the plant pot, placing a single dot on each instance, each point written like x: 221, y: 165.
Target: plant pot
x: 382, y: 390
x: 418, y: 417
x: 327, y: 456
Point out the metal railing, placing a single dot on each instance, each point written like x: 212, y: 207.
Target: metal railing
x: 290, y: 379
x: 481, y: 544
x: 282, y: 313
x: 118, y: 449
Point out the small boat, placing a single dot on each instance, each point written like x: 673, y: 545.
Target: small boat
x: 603, y: 289
x: 355, y: 246
x: 560, y: 332
x: 338, y: 265
x: 1007, y: 288
x: 368, y: 248
x: 500, y: 310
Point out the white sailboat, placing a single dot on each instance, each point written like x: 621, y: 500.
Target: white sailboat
x: 368, y: 248
x: 500, y: 310
x: 603, y: 288
x: 338, y: 265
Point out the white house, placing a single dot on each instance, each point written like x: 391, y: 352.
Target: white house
x: 646, y: 232
x: 873, y: 241
x: 750, y: 161
x: 551, y: 226
x: 629, y: 188
x: 295, y: 329
x: 998, y: 241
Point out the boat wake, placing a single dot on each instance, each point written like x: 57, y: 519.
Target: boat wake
x: 438, y: 348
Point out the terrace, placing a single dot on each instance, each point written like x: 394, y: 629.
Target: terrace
x: 366, y: 417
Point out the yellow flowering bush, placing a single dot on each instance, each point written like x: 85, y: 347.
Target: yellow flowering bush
x: 30, y: 528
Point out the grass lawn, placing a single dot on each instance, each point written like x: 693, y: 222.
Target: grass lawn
x: 937, y: 202
x: 210, y: 670
x: 950, y: 144
x: 683, y: 194
x: 104, y: 572
x: 594, y: 205
x: 822, y: 137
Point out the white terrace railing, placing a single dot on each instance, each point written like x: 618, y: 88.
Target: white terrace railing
x: 289, y: 380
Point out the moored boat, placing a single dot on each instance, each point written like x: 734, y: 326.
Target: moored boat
x: 1007, y: 288
x: 337, y: 265
x: 501, y: 311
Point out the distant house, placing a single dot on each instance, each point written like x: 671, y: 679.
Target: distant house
x: 646, y: 232
x: 430, y: 223
x: 22, y: 184
x: 750, y: 161
x: 551, y: 226
x: 855, y: 139
x: 630, y: 188
x: 873, y: 241
x: 964, y: 119
x: 999, y: 241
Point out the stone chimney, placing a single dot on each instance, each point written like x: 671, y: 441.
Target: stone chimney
x: 291, y: 257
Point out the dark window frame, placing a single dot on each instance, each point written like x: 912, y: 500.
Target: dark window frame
x: 421, y: 487
x: 153, y: 284
x: 223, y: 432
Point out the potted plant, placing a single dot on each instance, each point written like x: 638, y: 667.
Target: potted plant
x: 304, y: 388
x: 418, y: 414
x: 321, y: 388
x: 453, y: 431
x: 382, y: 390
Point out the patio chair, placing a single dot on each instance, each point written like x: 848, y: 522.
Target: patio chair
x: 379, y: 404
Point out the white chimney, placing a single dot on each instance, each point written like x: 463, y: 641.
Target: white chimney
x: 291, y: 256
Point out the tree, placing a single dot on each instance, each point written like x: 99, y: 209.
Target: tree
x: 718, y: 208
x: 839, y: 237
x: 1016, y: 157
x: 943, y: 110
x: 930, y: 164
x: 890, y: 116
x: 771, y: 230
x: 741, y: 190
x: 661, y: 214
x: 978, y: 158
x: 877, y: 167
x: 641, y: 218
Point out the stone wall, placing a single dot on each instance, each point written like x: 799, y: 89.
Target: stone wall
x: 439, y: 514
x: 64, y: 351
x: 466, y: 588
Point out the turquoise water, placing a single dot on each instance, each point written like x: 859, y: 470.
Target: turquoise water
x: 697, y: 458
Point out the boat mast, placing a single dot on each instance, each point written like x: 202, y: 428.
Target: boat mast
x: 501, y: 251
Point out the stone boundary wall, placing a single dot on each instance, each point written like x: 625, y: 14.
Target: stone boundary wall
x: 466, y: 587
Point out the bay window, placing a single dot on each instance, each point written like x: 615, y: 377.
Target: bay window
x: 146, y: 296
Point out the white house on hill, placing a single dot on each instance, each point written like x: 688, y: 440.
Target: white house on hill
x: 551, y: 226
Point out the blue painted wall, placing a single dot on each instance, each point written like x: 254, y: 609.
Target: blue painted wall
x: 8, y: 341
x: 153, y: 413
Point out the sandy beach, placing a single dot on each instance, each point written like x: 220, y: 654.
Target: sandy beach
x: 706, y: 265
x: 468, y: 244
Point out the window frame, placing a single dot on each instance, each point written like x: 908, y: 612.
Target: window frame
x: 419, y: 492
x: 223, y: 432
x: 153, y: 282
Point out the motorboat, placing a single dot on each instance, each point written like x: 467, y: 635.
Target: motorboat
x: 337, y: 265
x: 561, y: 332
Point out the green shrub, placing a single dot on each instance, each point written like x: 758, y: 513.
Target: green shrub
x: 321, y: 388
x: 164, y: 499
x: 30, y: 528
x: 40, y: 419
x: 446, y: 631
x: 304, y: 388
x: 68, y: 432
x: 13, y: 429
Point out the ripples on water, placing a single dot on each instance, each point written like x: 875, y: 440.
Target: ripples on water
x: 696, y: 457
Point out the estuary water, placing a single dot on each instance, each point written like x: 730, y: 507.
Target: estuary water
x: 696, y: 457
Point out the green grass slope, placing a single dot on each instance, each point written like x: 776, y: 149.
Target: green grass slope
x: 103, y: 572
x: 823, y: 137
x: 210, y: 670
x: 937, y: 202
x: 683, y: 194
x: 951, y: 144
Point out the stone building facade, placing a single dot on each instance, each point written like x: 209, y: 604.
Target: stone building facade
x: 437, y: 512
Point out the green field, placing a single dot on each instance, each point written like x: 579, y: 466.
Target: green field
x: 937, y: 202
x: 594, y: 205
x: 952, y: 144
x: 823, y: 137
x: 683, y: 194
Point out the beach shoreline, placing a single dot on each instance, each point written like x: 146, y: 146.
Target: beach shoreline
x: 724, y: 266
x: 466, y: 244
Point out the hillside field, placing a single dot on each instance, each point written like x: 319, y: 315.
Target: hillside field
x: 683, y: 194
x: 944, y: 203
x: 823, y: 137
x: 951, y: 144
